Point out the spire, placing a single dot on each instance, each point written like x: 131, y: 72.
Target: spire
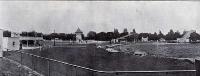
x: 78, y: 30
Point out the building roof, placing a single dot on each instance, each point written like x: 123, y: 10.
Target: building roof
x: 31, y: 38
x: 123, y: 37
x: 78, y: 31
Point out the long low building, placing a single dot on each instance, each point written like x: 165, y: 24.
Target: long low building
x: 14, y: 41
x: 186, y: 36
x: 183, y: 40
x: 17, y: 43
x: 31, y: 42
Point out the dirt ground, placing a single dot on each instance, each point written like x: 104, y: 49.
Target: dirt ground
x: 10, y: 68
x: 97, y: 58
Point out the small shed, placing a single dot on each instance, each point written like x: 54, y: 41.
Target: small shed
x: 11, y: 43
x: 140, y: 53
x: 145, y: 39
x: 162, y: 40
x: 183, y: 40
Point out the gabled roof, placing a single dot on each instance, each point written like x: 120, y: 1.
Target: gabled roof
x: 78, y: 31
x: 123, y: 37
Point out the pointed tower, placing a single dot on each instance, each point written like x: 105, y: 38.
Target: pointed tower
x: 79, y: 35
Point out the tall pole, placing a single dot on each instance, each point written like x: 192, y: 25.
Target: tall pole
x: 48, y: 66
x: 54, y: 44
x: 197, y: 66
x: 1, y: 43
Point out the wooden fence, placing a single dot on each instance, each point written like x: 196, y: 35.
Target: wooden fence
x: 53, y: 67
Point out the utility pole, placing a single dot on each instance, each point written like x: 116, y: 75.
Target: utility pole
x: 54, y: 44
x: 1, y: 43
x: 197, y: 66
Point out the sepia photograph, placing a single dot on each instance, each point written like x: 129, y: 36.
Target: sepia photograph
x: 99, y: 38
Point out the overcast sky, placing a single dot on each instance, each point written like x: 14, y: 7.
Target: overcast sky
x: 67, y: 16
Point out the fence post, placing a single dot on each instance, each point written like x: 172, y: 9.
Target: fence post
x: 20, y: 68
x: 197, y: 66
x: 76, y: 71
x: 48, y: 64
x: 33, y: 64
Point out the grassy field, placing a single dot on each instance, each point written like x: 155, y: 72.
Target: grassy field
x: 178, y: 50
x: 99, y: 59
x: 8, y: 68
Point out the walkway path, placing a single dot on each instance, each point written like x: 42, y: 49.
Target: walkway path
x: 9, y: 67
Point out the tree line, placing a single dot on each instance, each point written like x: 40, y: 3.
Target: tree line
x: 171, y: 35
x: 24, y: 34
x: 107, y: 36
x: 61, y: 36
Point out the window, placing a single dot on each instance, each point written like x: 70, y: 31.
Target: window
x: 13, y: 43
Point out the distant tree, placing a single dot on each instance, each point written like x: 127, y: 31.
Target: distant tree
x: 160, y: 34
x: 47, y: 37
x: 39, y: 34
x: 62, y: 36
x: 54, y: 35
x: 177, y: 35
x: 101, y: 36
x: 194, y: 36
x: 153, y: 36
x: 32, y: 34
x: 125, y: 32
x: 144, y: 35
x: 170, y: 35
x: 109, y: 36
x: 184, y: 32
x: 91, y: 35
x: 133, y: 37
x: 134, y: 31
x: 71, y: 36
x: 24, y: 34
x: 116, y: 33
x: 6, y: 34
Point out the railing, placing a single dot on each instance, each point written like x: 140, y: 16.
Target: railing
x: 52, y: 67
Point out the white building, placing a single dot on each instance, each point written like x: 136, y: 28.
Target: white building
x: 162, y: 40
x: 79, y: 36
x: 15, y: 42
x: 11, y: 43
x: 186, y: 36
x: 140, y: 53
x: 183, y: 40
x: 145, y: 39
x: 115, y: 40
x: 31, y: 42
